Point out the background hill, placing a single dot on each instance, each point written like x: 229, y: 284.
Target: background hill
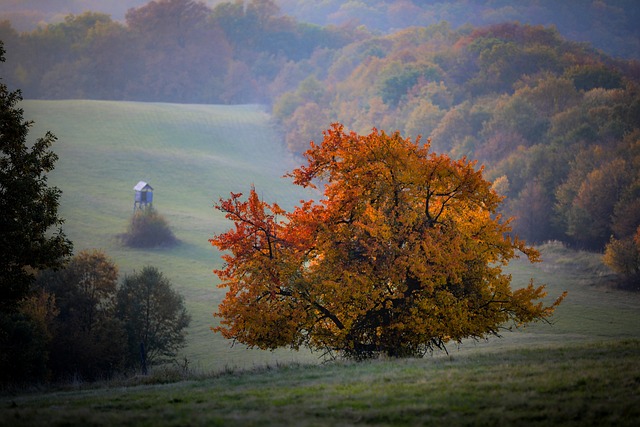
x: 194, y: 154
x: 549, y: 117
x: 609, y: 25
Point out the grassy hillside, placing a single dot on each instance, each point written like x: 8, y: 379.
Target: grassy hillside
x: 581, y: 370
x: 581, y: 385
x: 192, y: 155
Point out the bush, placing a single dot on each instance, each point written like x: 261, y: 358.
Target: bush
x: 623, y: 257
x: 148, y: 229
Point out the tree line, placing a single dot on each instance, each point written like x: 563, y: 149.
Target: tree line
x: 242, y: 51
x: 556, y: 123
x: 549, y: 118
x: 80, y: 324
x: 609, y: 25
x: 170, y: 51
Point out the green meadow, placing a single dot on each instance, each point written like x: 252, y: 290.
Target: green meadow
x: 582, y: 368
x: 576, y: 385
x: 191, y: 155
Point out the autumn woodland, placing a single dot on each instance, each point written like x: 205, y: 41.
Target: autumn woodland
x: 546, y: 115
x: 436, y: 143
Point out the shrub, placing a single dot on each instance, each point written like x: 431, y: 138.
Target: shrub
x: 623, y: 257
x: 149, y: 229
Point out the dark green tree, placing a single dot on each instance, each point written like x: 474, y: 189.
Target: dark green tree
x: 154, y: 315
x: 31, y: 237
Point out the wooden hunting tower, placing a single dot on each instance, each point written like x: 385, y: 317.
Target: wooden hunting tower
x: 143, y: 197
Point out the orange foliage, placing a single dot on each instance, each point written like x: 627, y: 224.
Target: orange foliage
x: 403, y: 254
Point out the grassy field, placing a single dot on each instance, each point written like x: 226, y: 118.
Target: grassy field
x: 191, y: 155
x: 583, y: 369
x: 568, y: 385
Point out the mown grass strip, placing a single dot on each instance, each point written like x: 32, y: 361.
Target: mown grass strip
x: 582, y: 385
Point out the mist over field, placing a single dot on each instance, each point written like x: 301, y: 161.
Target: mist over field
x: 205, y: 100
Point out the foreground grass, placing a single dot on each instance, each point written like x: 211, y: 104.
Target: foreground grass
x: 596, y: 384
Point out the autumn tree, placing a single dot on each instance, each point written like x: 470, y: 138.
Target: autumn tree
x: 403, y: 254
x: 532, y: 211
x: 623, y: 257
x: 88, y: 340
x: 182, y: 56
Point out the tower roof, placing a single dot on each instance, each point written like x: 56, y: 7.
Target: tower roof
x: 143, y: 186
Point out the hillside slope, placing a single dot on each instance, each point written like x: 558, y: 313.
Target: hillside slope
x: 194, y: 154
x: 191, y: 155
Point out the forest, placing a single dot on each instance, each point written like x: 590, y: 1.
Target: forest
x: 554, y: 121
x: 606, y: 24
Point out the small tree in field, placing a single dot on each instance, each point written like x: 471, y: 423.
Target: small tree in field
x: 154, y: 315
x: 623, y: 257
x: 403, y: 254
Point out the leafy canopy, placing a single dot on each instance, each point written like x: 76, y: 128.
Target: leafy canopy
x: 29, y: 206
x: 87, y: 340
x: 403, y: 254
x: 154, y: 314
